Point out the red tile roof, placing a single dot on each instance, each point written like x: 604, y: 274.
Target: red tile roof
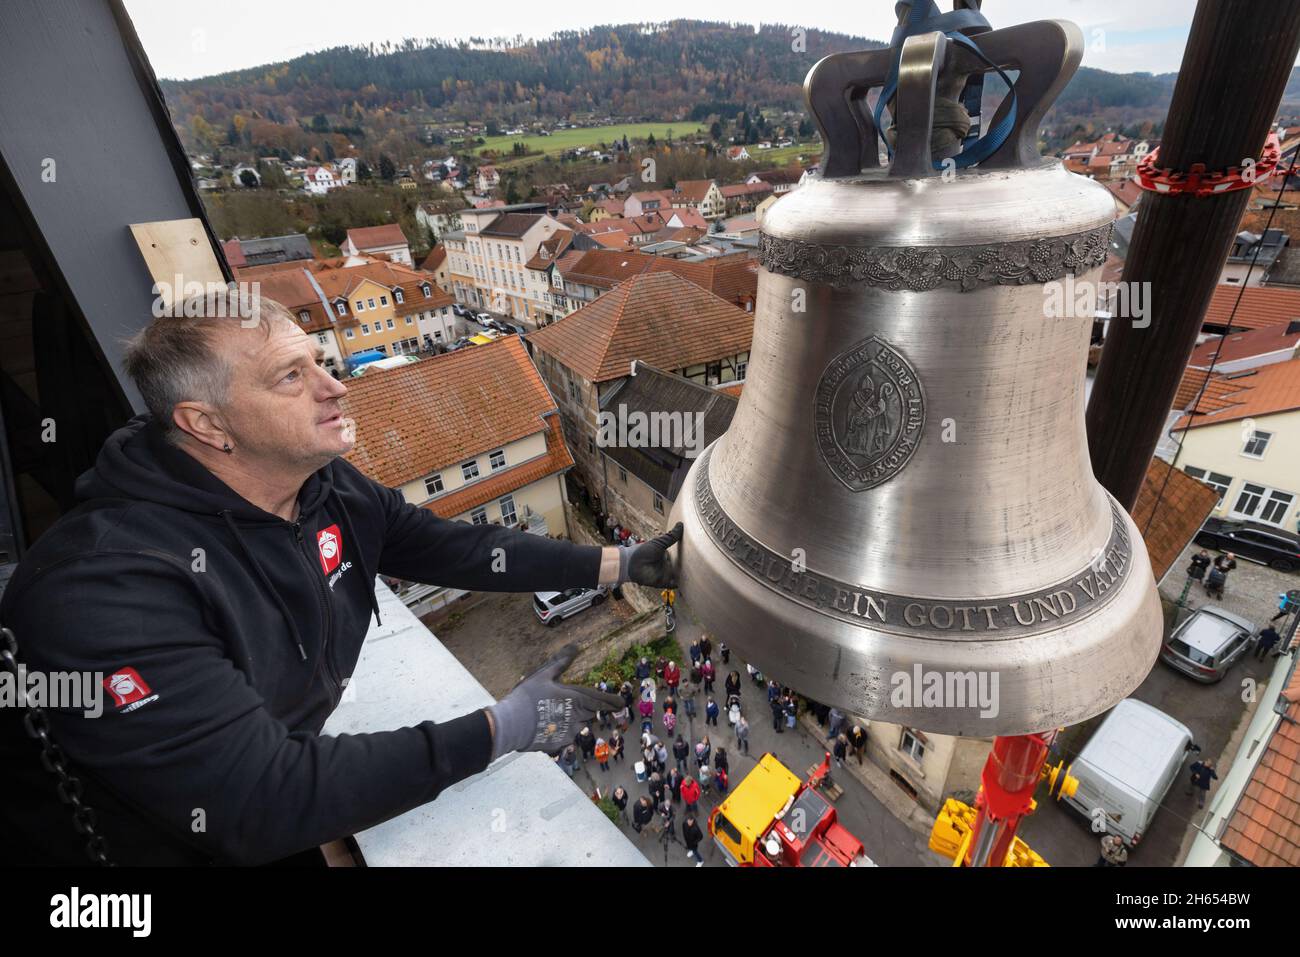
x: 659, y: 318
x: 736, y: 190
x: 374, y: 237
x: 437, y: 256
x: 556, y: 459
x: 1185, y: 503
x: 234, y: 253
x: 692, y: 190
x: 1266, y: 390
x: 440, y: 411
x: 1264, y: 828
x: 1244, y: 345
x: 1260, y: 306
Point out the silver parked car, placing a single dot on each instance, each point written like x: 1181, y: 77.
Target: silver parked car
x: 1207, y: 644
x: 553, y: 606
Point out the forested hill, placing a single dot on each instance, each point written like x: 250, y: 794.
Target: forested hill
x: 665, y: 71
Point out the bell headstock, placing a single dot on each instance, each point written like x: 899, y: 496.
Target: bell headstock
x: 1046, y: 54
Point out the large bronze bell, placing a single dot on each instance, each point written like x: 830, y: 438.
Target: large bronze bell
x: 903, y: 506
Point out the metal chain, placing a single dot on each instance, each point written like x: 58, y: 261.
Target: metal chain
x: 55, y: 760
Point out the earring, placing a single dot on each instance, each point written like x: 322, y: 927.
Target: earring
x: 227, y: 449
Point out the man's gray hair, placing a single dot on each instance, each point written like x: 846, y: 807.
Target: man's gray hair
x: 176, y: 358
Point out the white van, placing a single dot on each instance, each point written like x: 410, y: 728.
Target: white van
x: 1128, y: 766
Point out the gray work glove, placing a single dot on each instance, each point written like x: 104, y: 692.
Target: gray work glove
x: 648, y: 563
x: 540, y: 714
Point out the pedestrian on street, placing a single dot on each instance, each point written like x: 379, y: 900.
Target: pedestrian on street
x: 681, y: 751
x: 754, y: 674
x: 1113, y: 852
x: 840, y: 750
x: 1200, y: 562
x: 725, y: 652
x: 622, y: 718
x: 602, y: 753
x: 858, y: 740
x: 660, y: 666
x: 643, y: 813
x: 711, y: 712
x: 706, y: 779
x: 672, y: 677
x: 586, y: 742
x: 1202, y: 774
x: 619, y: 797
x: 673, y: 783
x: 670, y: 721
x: 733, y: 684
x: 629, y: 696
x: 670, y: 703
x: 733, y: 709
x: 616, y: 746
x: 643, y: 669
x: 695, y: 653
x: 1265, y: 641
x: 691, y: 795
x: 791, y: 708
x: 720, y: 781
x: 656, y: 787
x: 569, y: 759
x: 706, y: 647
x: 1226, y: 562
x: 720, y: 760
x: 778, y: 716
x: 1287, y: 602
x: 742, y: 734
x: 703, y: 751
x: 667, y: 820
x: 661, y: 757
x: 691, y: 837
x: 773, y: 691
x: 836, y: 723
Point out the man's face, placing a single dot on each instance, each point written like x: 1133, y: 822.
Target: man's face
x: 283, y: 407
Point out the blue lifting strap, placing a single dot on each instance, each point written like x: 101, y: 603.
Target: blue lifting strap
x: 923, y: 16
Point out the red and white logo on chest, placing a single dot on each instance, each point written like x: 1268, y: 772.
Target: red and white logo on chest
x: 330, y: 543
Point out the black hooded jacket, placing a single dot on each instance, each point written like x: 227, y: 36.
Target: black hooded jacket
x: 224, y: 636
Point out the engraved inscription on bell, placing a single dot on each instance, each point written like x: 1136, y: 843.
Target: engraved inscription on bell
x: 868, y: 414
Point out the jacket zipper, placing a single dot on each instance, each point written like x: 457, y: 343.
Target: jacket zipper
x: 334, y: 685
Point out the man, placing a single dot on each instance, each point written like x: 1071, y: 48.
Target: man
x: 1265, y: 640
x: 1202, y: 774
x: 219, y: 573
x: 1113, y: 852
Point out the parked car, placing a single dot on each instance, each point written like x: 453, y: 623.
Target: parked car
x: 482, y: 318
x: 392, y: 362
x: 551, y: 607
x: 1126, y: 768
x: 1266, y: 544
x: 460, y: 343
x: 459, y: 310
x: 1208, y: 643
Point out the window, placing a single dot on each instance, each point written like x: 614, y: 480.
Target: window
x: 349, y: 334
x: 659, y: 503
x: 912, y: 745
x: 437, y: 335
x: 508, y: 516
x: 740, y: 370
x: 370, y: 304
x: 433, y: 484
x: 1215, y: 480
x: 591, y: 445
x: 304, y: 316
x: 424, y: 288
x: 479, y: 516
x: 390, y: 323
x: 383, y: 300
x: 365, y: 328
x: 397, y: 296
x: 359, y: 306
x: 1263, y: 503
x: 622, y: 475
x: 341, y: 307
x: 322, y: 338
x: 1256, y: 444
x: 469, y: 470
x: 497, y: 460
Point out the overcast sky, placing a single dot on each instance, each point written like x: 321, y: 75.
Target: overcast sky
x: 186, y: 40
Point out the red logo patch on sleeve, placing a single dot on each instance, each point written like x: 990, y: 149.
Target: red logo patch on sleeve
x: 330, y: 543
x: 126, y: 686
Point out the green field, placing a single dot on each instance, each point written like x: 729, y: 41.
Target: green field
x: 563, y: 140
